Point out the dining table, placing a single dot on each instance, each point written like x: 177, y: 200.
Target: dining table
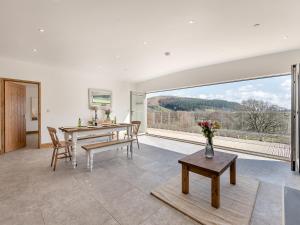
x: 74, y: 133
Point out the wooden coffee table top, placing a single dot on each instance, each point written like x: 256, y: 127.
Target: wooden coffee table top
x: 217, y: 165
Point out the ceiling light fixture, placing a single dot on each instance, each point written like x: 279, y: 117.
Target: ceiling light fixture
x: 256, y: 25
x: 34, y: 50
x: 167, y: 53
x: 41, y: 30
x: 285, y: 37
x: 191, y: 21
x: 118, y: 57
x: 145, y: 42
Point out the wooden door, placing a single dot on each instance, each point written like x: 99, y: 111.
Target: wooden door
x: 15, y: 124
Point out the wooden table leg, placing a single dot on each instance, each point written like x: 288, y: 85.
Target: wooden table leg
x: 74, y: 153
x: 215, y: 191
x: 233, y: 173
x: 185, y: 179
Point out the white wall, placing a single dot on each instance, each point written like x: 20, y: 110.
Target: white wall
x: 65, y: 93
x: 31, y: 92
x: 242, y: 69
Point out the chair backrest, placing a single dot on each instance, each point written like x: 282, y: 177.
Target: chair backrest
x: 135, y: 127
x: 54, y: 138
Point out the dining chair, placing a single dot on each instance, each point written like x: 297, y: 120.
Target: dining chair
x: 135, y: 131
x: 57, y: 145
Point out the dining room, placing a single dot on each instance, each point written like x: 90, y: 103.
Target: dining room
x: 101, y: 76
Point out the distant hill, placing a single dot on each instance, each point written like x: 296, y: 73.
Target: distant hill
x: 190, y: 104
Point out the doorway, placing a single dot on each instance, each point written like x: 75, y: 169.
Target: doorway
x: 254, y: 115
x: 20, y: 115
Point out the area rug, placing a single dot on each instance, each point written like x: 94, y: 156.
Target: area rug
x: 237, y: 202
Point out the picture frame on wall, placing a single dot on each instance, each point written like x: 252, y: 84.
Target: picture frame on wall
x: 100, y: 98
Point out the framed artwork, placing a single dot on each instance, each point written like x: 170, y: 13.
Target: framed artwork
x: 100, y: 98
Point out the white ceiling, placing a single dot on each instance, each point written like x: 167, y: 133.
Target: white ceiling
x: 107, y: 37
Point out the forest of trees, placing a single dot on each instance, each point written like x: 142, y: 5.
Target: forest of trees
x: 192, y: 104
x: 250, y: 118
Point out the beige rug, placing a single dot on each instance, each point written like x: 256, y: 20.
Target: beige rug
x: 237, y: 202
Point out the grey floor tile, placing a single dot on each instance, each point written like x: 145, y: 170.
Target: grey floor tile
x: 168, y: 216
x: 268, y: 207
x: 133, y: 207
x: 78, y: 209
x: 117, y: 191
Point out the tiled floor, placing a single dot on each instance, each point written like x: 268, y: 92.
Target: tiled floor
x: 117, y: 191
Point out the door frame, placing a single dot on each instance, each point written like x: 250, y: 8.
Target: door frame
x: 2, y: 111
x: 145, y: 108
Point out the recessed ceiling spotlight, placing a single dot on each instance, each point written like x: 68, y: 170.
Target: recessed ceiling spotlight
x: 34, y: 50
x: 191, y: 21
x: 118, y: 56
x: 167, y: 53
x: 145, y: 42
x: 285, y: 37
x: 41, y: 30
x: 256, y: 25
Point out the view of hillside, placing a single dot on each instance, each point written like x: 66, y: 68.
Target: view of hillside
x: 254, y: 115
x: 250, y: 119
x: 174, y: 103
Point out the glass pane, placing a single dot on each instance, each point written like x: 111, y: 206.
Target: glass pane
x: 254, y: 114
x: 138, y: 109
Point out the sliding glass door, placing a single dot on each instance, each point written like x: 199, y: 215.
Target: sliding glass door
x: 138, y: 109
x: 295, y: 121
x: 255, y: 115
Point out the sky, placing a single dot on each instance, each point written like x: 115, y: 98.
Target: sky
x: 276, y: 90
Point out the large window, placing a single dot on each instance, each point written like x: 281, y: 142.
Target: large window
x: 254, y: 114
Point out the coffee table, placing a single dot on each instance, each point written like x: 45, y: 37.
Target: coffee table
x: 212, y: 168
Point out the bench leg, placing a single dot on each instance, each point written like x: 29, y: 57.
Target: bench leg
x: 118, y: 137
x: 91, y: 161
x: 131, y: 151
x: 87, y: 159
x: 127, y: 147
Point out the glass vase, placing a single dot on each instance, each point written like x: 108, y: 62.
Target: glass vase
x: 209, y: 149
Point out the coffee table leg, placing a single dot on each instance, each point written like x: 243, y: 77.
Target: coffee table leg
x: 215, y: 191
x: 185, y: 179
x: 233, y: 173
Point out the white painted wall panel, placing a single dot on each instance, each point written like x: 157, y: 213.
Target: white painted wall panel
x: 65, y: 93
x: 237, y: 70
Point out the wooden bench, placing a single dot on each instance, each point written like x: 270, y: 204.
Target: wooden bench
x: 91, y: 149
